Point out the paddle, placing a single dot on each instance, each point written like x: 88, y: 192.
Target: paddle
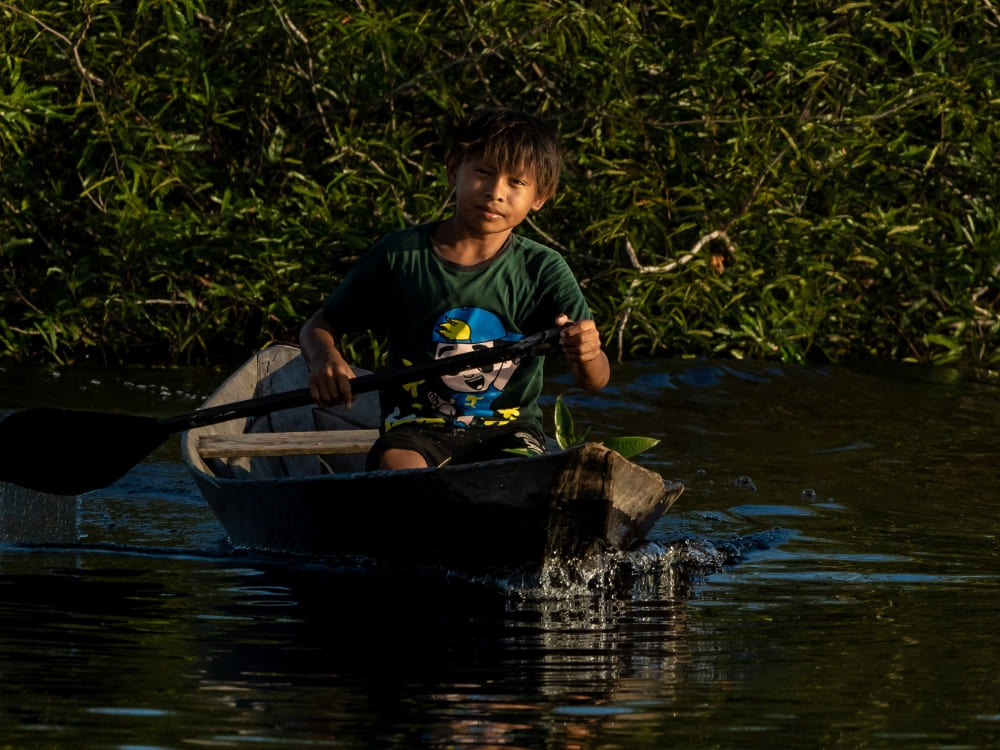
x: 69, y: 451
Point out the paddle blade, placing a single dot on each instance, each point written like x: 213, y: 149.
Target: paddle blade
x: 67, y: 452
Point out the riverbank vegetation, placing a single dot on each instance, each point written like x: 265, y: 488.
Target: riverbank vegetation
x: 183, y: 181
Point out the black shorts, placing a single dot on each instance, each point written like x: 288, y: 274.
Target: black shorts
x: 440, y: 445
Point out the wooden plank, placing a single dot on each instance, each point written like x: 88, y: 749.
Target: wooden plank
x: 286, y: 443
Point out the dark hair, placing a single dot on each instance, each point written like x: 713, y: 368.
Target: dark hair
x: 510, y: 140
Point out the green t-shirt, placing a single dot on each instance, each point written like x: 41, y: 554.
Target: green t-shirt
x: 428, y: 307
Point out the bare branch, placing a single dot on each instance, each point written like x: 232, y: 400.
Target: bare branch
x: 718, y: 234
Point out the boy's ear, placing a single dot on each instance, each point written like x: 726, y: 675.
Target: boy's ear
x: 539, y: 202
x: 451, y: 170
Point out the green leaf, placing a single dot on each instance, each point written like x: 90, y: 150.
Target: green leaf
x: 564, y: 424
x: 630, y: 446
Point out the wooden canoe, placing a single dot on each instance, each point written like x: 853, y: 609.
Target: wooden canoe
x: 292, y: 482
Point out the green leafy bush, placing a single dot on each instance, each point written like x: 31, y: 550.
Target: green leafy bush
x: 182, y: 181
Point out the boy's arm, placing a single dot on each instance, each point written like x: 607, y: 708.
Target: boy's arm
x: 581, y: 343
x: 329, y: 372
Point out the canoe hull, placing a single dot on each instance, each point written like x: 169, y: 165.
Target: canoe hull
x: 516, y: 512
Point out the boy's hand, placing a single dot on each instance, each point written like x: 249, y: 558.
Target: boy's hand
x: 329, y: 373
x: 581, y: 343
x: 330, y: 382
x: 579, y: 340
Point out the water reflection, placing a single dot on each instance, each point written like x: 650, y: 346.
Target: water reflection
x: 486, y: 663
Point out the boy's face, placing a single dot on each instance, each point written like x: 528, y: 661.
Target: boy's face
x: 489, y: 199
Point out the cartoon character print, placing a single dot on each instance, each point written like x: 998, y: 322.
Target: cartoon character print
x: 472, y: 392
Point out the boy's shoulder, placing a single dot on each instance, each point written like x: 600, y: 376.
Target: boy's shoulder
x: 405, y: 236
x: 529, y: 245
x: 534, y: 251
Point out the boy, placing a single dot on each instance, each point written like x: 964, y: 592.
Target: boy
x: 456, y: 285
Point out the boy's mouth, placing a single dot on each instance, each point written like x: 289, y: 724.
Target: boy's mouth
x: 489, y: 213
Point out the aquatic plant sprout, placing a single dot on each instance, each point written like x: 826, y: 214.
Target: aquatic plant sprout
x: 566, y: 435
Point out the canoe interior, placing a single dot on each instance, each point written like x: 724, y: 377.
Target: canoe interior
x: 275, y: 370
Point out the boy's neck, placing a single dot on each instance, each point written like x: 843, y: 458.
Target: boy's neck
x: 465, y: 249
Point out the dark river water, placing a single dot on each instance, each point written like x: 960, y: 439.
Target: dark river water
x: 829, y: 579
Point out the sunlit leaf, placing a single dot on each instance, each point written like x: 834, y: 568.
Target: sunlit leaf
x: 630, y: 446
x: 565, y: 432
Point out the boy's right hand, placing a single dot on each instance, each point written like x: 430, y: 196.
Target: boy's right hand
x: 329, y: 373
x: 330, y: 382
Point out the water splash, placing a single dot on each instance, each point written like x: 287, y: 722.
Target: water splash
x: 653, y: 568
x: 28, y: 515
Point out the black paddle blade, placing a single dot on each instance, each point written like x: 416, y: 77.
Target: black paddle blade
x: 67, y: 452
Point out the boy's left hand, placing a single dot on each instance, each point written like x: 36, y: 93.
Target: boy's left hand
x: 580, y: 339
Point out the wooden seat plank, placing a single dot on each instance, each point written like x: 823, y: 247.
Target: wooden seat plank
x: 286, y: 443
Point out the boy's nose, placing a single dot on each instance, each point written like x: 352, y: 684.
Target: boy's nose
x: 495, y: 188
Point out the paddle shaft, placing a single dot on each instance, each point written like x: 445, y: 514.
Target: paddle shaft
x: 364, y: 383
